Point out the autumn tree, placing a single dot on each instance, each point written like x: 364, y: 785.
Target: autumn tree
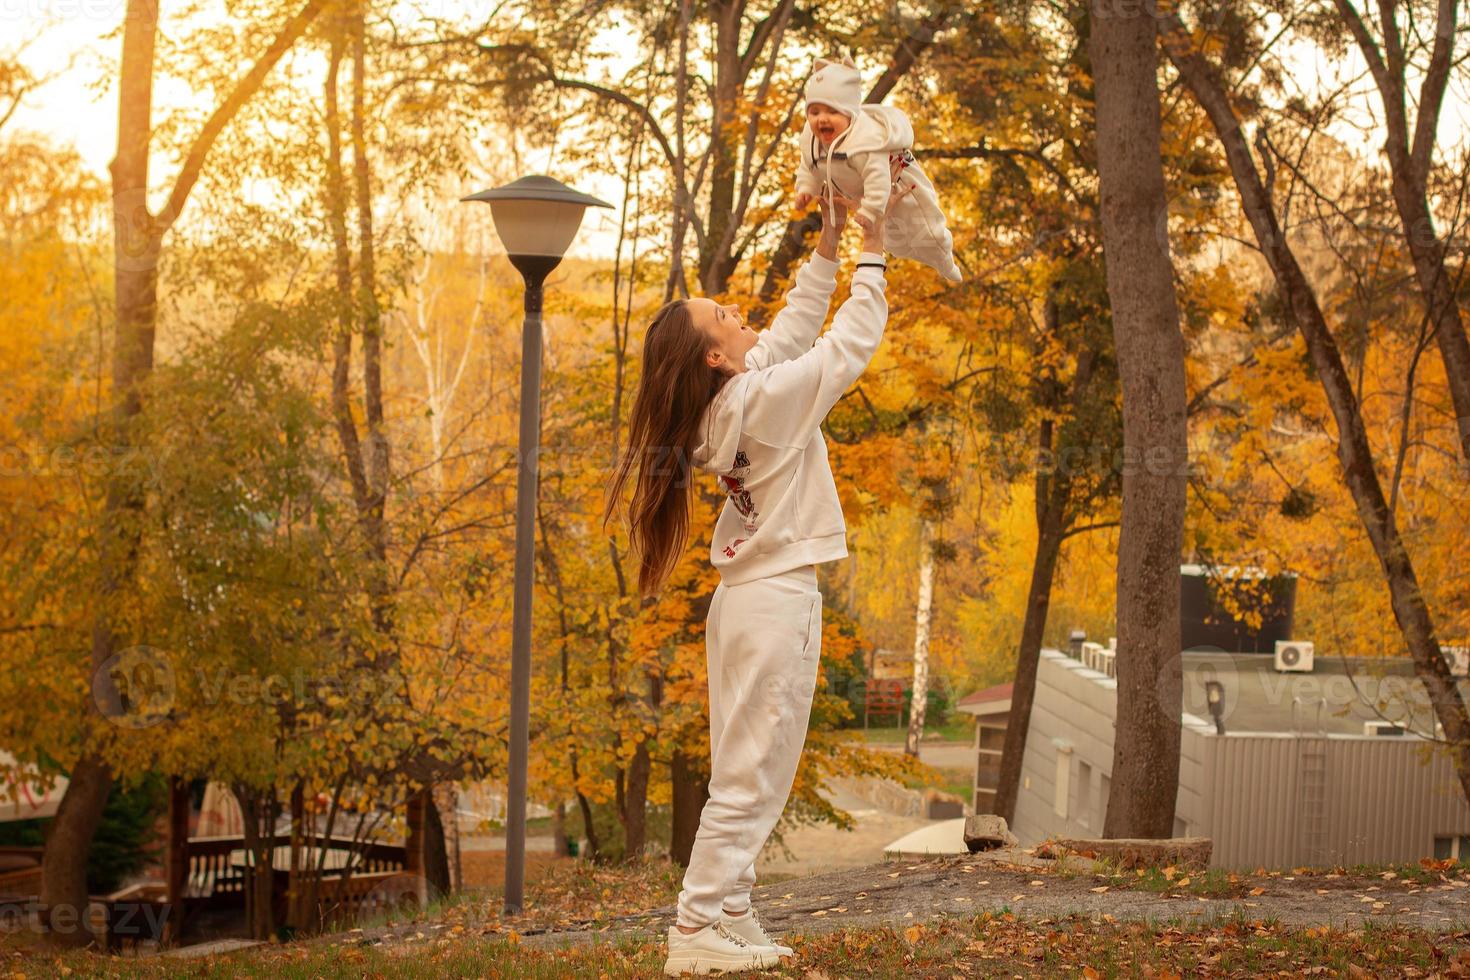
x: 1150, y: 351
x: 1394, y: 56
x: 1254, y: 179
x: 138, y: 240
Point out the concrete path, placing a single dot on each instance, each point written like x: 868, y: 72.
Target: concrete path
x: 943, y: 755
x: 900, y: 893
x: 496, y: 842
x: 823, y: 847
x: 939, y: 837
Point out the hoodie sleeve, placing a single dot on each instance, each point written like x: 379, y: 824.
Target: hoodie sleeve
x: 800, y: 320
x: 807, y: 181
x: 877, y: 184
x: 786, y: 402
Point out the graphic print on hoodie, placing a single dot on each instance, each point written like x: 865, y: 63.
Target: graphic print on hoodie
x: 761, y: 433
x: 739, y: 496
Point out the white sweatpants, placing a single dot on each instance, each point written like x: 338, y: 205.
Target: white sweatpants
x: 762, y: 641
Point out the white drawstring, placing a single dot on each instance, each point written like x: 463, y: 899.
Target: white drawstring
x: 830, y: 189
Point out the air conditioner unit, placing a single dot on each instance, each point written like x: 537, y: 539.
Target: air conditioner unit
x: 1294, y: 655
x: 1091, y: 655
x: 1383, y: 729
x: 1459, y: 660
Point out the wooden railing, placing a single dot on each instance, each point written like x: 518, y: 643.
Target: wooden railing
x: 215, y: 881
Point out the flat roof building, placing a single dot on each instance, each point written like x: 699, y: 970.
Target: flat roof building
x: 1331, y: 765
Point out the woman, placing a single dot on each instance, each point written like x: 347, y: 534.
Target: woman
x: 748, y: 407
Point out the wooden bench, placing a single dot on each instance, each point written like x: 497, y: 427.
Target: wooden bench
x: 20, y: 871
x: 131, y: 914
x: 216, y: 862
x: 882, y: 697
x: 217, y: 879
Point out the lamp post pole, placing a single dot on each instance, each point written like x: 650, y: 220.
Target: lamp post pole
x: 533, y: 270
x: 537, y: 218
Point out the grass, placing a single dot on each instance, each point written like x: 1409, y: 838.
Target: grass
x: 979, y: 946
x: 952, y: 780
x: 1425, y: 872
x: 1220, y: 883
x: 1213, y: 883
x: 960, y: 730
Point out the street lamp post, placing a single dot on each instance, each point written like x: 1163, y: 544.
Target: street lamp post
x: 537, y: 218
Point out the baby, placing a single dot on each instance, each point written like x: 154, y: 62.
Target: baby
x: 863, y: 152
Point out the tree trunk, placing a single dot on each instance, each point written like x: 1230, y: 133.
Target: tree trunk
x: 635, y: 822
x: 919, y: 696
x: 1023, y: 693
x: 1354, y: 452
x: 690, y: 792
x: 135, y: 269
x: 1410, y: 160
x: 446, y: 803
x: 1150, y: 351
x: 424, y: 852
x: 68, y: 843
x: 559, y: 831
x: 176, y: 859
x: 436, y: 855
x: 594, y: 846
x: 137, y: 248
x: 635, y: 803
x: 1438, y: 289
x: 258, y: 809
x: 716, y: 260
x: 298, y: 919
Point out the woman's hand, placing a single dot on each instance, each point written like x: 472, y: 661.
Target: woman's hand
x: 873, y: 228
x: 834, y: 219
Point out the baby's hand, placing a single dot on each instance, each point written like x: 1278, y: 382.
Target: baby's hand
x: 802, y: 200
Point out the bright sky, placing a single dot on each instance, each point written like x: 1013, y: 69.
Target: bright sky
x: 77, y: 42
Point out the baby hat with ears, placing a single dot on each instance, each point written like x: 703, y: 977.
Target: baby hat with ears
x: 837, y: 84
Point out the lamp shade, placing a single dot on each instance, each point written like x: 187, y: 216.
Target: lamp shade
x: 537, y: 215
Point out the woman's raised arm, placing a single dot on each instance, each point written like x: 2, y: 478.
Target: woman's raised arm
x: 797, y: 324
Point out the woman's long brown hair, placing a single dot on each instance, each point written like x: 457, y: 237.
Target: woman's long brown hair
x: 676, y: 387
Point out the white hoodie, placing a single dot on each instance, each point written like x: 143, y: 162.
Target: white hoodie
x: 761, y: 433
x: 857, y: 166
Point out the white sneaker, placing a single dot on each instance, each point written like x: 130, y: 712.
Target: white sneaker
x: 749, y: 928
x: 715, y: 949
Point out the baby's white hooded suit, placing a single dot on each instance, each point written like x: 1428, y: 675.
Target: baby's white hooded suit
x: 857, y: 165
x: 763, y: 635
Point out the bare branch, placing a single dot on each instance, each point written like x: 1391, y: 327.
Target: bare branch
x: 220, y: 118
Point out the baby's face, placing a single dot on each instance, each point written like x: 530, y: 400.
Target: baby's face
x: 826, y: 121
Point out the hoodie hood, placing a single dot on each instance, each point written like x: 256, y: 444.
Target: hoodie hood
x: 876, y: 128
x: 720, y: 428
